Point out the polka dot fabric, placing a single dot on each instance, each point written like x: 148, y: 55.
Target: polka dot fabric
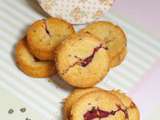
x: 76, y: 11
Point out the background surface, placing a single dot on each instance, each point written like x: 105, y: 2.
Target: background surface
x: 18, y: 90
x: 144, y: 13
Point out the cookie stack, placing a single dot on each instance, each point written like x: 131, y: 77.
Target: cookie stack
x: 82, y: 59
x: 35, y: 52
x: 114, y: 40
x: 95, y: 104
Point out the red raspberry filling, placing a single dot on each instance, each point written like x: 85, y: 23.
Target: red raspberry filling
x: 97, y: 113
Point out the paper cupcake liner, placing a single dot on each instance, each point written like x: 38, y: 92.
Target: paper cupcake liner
x: 76, y: 11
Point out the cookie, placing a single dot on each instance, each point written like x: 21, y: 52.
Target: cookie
x: 73, y: 98
x: 113, y: 37
x: 117, y: 60
x: 77, y: 11
x: 132, y: 110
x: 98, y: 105
x: 30, y: 65
x: 44, y: 35
x: 81, y: 60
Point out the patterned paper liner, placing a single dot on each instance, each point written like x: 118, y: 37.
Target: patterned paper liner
x: 76, y: 11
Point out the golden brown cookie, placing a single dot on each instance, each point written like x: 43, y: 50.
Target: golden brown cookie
x: 113, y: 37
x: 81, y: 60
x: 31, y: 66
x: 98, y: 105
x: 115, y: 61
x: 73, y: 98
x: 131, y: 108
x: 44, y: 35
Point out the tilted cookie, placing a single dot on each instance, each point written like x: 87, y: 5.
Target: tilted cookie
x: 98, y: 105
x: 44, y: 35
x: 131, y: 108
x: 31, y: 66
x: 113, y: 37
x: 81, y: 60
x: 73, y: 98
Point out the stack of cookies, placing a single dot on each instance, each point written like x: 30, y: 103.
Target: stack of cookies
x: 35, y: 52
x: 82, y: 59
x: 114, y: 40
x: 98, y: 104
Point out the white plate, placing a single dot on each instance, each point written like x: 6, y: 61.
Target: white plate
x: 44, y: 97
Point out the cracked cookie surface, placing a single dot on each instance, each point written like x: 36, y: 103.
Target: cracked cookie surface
x: 81, y: 60
x: 132, y: 110
x: 44, y: 35
x: 30, y: 65
x: 113, y: 37
x: 98, y: 105
x: 73, y: 98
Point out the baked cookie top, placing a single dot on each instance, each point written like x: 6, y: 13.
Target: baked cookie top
x: 112, y: 35
x: 117, y: 60
x: 30, y: 65
x: 44, y: 35
x: 82, y: 60
x: 98, y: 105
x: 131, y: 108
x: 73, y: 98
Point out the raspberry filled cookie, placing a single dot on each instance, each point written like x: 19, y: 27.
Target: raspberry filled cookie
x: 98, y: 105
x: 115, y: 61
x: 113, y: 37
x: 73, y: 98
x: 131, y: 108
x: 44, y: 35
x: 30, y: 65
x: 82, y: 60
